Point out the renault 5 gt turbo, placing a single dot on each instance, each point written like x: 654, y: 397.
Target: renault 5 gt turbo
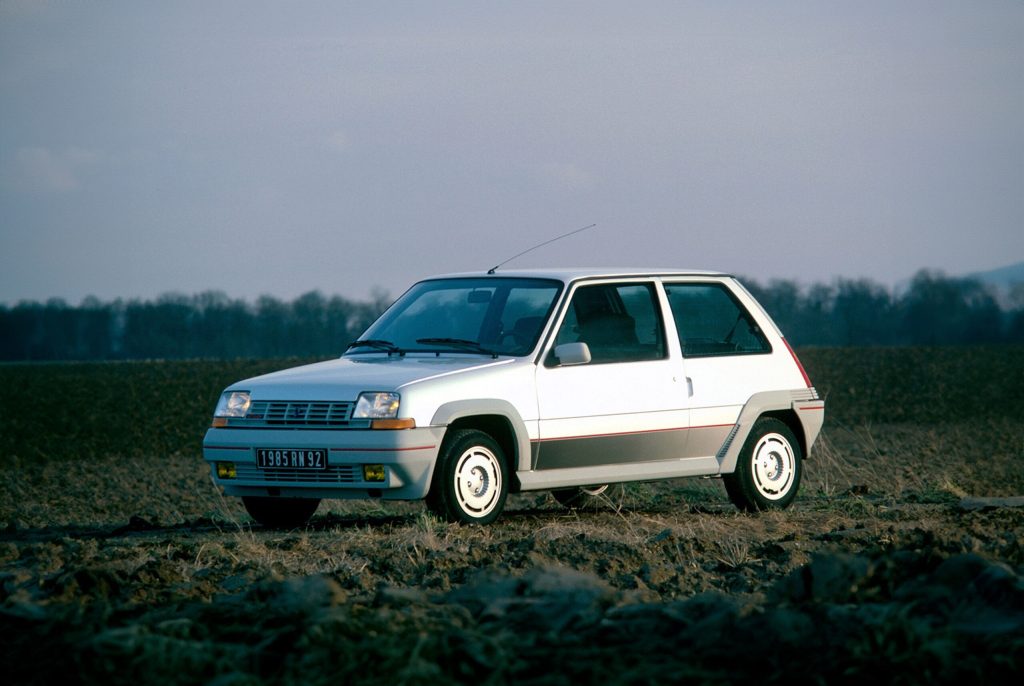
x: 473, y: 386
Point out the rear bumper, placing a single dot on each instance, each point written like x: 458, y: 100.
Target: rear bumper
x: 408, y: 457
x: 811, y: 414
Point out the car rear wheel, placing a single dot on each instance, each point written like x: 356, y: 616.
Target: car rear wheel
x: 586, y: 497
x: 768, y: 472
x: 471, y: 481
x: 280, y: 513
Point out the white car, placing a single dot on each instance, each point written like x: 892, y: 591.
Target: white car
x: 473, y: 386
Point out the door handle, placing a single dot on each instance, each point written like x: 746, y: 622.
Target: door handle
x: 689, y: 386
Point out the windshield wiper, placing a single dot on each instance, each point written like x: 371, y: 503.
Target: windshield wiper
x: 376, y: 344
x: 460, y: 343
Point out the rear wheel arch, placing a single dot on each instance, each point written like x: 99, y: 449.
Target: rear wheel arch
x: 777, y: 405
x: 792, y: 421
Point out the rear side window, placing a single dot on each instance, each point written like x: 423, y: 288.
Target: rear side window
x: 711, y: 321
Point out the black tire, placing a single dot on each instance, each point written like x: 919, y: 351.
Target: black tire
x: 768, y: 470
x: 587, y: 497
x: 280, y: 513
x: 470, y: 482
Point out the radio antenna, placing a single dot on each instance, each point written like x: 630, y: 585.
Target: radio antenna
x: 540, y: 245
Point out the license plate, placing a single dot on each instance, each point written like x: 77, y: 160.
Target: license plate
x: 291, y: 458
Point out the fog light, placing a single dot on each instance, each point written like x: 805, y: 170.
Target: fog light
x: 226, y: 470
x: 373, y: 472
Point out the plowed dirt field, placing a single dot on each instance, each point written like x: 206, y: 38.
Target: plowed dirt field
x: 902, y: 559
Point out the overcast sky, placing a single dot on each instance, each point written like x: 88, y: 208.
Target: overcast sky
x: 148, y: 147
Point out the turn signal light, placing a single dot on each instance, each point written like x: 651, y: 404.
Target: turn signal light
x: 226, y: 470
x: 393, y: 424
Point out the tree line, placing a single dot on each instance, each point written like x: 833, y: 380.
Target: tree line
x: 932, y: 310
x: 175, y: 326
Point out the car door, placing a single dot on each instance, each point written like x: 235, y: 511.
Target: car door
x: 726, y: 356
x: 629, y: 402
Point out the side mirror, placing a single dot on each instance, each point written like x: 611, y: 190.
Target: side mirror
x: 572, y: 353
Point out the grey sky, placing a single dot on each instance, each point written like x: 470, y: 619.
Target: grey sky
x: 284, y: 147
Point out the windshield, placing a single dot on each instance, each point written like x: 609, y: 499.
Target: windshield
x: 496, y: 316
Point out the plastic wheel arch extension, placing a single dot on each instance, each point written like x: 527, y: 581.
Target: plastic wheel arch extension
x: 803, y: 406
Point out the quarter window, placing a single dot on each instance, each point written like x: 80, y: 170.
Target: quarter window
x: 711, y: 322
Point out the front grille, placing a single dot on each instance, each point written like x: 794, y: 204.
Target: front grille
x: 334, y: 474
x: 308, y: 415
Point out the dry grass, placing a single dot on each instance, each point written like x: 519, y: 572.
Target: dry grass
x: 127, y: 566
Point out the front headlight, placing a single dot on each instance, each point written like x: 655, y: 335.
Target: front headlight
x: 376, y: 405
x: 232, y: 404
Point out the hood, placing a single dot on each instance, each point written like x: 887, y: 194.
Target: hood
x: 346, y: 378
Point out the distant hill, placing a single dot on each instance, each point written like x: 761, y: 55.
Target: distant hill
x: 1003, y: 278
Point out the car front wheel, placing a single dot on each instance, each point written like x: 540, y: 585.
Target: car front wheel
x: 471, y: 481
x: 768, y: 472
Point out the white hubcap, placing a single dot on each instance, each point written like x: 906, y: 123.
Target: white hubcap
x: 477, y: 481
x: 774, y: 466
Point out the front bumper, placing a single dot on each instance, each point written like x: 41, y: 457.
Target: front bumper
x: 408, y: 457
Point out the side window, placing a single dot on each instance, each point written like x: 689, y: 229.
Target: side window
x: 618, y: 322
x: 710, y: 321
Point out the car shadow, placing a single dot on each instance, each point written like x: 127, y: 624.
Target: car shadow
x: 140, y: 527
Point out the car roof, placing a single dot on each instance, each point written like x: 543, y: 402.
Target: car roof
x: 571, y: 274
